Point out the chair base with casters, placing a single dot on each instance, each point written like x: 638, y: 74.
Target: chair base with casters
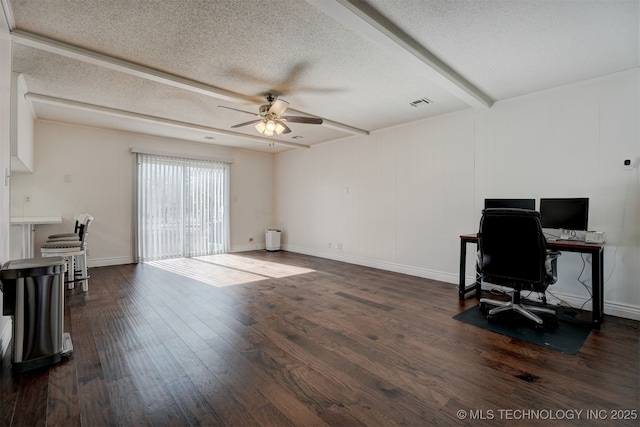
x: 515, y: 305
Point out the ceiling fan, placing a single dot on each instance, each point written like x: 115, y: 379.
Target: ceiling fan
x: 270, y: 119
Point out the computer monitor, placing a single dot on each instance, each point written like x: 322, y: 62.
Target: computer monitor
x: 510, y: 203
x: 567, y: 214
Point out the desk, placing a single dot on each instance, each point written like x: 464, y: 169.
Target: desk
x: 26, y: 225
x: 596, y: 250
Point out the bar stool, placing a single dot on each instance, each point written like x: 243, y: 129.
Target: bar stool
x: 79, y: 219
x: 75, y: 254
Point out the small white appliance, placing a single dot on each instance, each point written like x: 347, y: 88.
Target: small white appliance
x: 272, y: 239
x: 594, y: 237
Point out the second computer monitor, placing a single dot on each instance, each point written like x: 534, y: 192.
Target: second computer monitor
x: 510, y: 203
x: 568, y: 214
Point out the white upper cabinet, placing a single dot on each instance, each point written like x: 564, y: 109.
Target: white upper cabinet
x: 22, y: 124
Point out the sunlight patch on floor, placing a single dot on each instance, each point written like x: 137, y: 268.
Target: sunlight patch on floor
x: 227, y: 270
x: 204, y: 272
x: 257, y: 266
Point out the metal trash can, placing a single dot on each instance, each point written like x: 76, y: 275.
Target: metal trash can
x: 272, y: 239
x: 33, y: 295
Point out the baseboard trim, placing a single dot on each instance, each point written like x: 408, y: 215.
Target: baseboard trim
x: 105, y: 262
x: 622, y: 310
x: 247, y: 248
x: 382, y: 265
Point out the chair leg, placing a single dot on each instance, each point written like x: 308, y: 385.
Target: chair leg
x: 526, y: 313
x: 71, y: 272
x: 82, y: 260
x: 495, y: 302
x: 538, y: 309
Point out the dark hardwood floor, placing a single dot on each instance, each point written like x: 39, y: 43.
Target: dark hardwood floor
x: 283, y: 339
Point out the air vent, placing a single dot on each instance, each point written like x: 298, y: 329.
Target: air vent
x: 209, y: 137
x: 297, y: 137
x: 421, y: 101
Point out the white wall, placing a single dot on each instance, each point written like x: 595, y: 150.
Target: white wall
x: 399, y: 198
x: 5, y: 164
x: 82, y: 169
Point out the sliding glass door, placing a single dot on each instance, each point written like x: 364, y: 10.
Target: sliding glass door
x: 182, y: 207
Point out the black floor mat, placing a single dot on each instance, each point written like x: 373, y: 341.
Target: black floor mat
x: 566, y: 335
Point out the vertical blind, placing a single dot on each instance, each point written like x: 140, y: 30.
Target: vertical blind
x: 182, y: 207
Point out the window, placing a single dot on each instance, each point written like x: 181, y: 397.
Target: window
x: 182, y: 207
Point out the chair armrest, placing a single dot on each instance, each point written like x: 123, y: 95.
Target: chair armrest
x: 553, y: 254
x: 551, y: 265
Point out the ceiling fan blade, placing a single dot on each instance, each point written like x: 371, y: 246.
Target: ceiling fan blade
x: 235, y: 109
x: 278, y: 107
x: 299, y: 119
x: 286, y: 128
x: 246, y: 123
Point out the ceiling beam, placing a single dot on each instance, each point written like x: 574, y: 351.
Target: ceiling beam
x: 8, y: 14
x: 46, y: 44
x: 61, y: 102
x: 366, y: 21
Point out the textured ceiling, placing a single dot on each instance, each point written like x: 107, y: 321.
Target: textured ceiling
x: 165, y: 67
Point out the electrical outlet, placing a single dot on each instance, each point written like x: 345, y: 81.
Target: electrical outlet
x: 339, y: 245
x: 27, y: 199
x: 329, y: 245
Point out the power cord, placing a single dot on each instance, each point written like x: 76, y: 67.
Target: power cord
x: 563, y: 303
x: 624, y: 216
x: 588, y: 288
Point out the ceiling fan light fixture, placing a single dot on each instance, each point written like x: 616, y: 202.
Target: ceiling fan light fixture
x: 261, y: 126
x: 270, y: 121
x: 270, y: 125
x: 279, y: 128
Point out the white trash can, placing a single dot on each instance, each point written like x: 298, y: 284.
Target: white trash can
x: 272, y: 239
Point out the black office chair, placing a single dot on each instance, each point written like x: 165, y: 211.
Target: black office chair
x: 513, y: 253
